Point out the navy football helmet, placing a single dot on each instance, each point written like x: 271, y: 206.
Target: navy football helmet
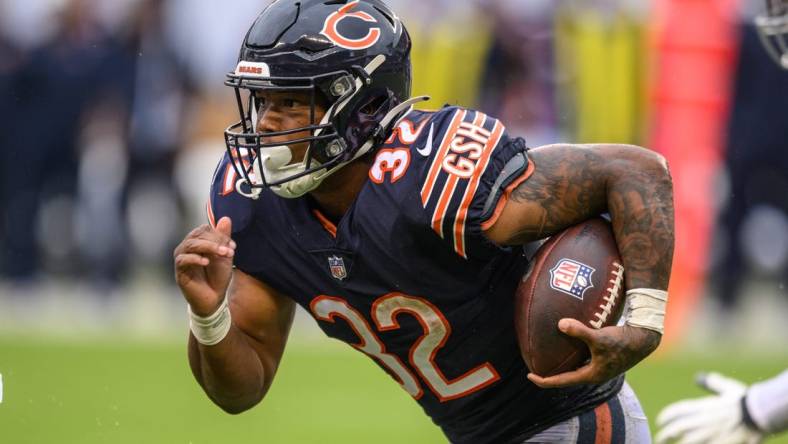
x: 352, y: 56
x: 772, y: 26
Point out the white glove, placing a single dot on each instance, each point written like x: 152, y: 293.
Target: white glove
x: 714, y: 419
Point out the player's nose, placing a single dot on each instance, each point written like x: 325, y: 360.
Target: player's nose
x: 268, y: 121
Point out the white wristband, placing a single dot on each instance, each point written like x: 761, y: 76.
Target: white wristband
x: 645, y: 308
x: 211, y: 329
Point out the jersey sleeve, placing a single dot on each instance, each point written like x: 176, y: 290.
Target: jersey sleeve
x: 466, y: 181
x: 225, y: 201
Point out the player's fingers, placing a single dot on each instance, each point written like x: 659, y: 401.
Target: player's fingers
x: 577, y: 329
x: 700, y: 435
x: 205, y: 247
x: 221, y: 234
x: 188, y: 260
x: 681, y: 409
x: 674, y: 411
x: 717, y: 383
x: 197, y: 231
x: 664, y: 436
x: 206, y: 233
x: 674, y: 430
x: 687, y: 422
x: 225, y: 226
x: 582, y: 375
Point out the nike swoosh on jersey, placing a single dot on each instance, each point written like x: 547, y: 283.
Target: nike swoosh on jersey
x: 428, y: 147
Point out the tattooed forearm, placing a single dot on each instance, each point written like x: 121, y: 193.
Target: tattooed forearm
x: 641, y: 205
x: 572, y: 183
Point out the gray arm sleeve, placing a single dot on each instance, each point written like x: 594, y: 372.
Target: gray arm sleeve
x: 767, y: 403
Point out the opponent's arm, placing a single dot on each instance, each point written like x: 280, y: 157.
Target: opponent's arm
x: 734, y: 413
x: 237, y: 371
x: 572, y: 183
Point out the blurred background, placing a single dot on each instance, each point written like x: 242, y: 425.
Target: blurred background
x: 111, y: 120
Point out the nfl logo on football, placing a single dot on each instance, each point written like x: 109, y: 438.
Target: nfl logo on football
x: 571, y: 277
x: 337, y: 266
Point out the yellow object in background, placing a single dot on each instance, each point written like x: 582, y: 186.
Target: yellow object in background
x: 601, y: 59
x: 447, y: 65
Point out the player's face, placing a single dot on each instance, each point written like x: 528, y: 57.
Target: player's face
x: 282, y: 111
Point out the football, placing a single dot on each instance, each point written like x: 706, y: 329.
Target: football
x: 577, y: 274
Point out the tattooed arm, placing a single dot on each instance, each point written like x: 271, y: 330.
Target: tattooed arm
x: 572, y: 183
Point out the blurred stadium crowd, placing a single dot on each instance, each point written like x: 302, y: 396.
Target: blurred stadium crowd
x: 112, y: 116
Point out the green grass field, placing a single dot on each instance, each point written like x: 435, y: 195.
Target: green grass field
x: 120, y: 391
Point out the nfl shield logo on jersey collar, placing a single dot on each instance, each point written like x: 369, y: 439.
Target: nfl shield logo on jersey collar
x: 337, y: 266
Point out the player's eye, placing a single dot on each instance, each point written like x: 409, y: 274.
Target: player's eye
x: 291, y: 103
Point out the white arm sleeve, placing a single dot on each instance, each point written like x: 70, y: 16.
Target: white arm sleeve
x: 767, y: 403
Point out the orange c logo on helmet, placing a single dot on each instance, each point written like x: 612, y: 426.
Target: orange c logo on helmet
x: 330, y: 28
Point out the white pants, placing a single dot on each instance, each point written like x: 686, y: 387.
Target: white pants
x: 619, y: 421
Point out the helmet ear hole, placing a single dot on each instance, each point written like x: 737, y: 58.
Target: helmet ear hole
x: 374, y: 104
x: 364, y: 119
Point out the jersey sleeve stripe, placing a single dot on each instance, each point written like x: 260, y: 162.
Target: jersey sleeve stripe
x: 443, y: 204
x: 459, y: 235
x: 487, y: 224
x: 462, y: 212
x: 435, y: 167
x: 604, y: 424
x: 228, y: 182
x: 209, y: 211
x: 451, y: 185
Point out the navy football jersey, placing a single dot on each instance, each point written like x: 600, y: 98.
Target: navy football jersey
x: 407, y: 276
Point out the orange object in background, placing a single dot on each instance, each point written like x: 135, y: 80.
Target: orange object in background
x: 695, y: 48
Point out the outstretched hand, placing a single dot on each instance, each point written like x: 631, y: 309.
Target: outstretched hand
x: 717, y: 419
x: 204, y: 265
x: 614, y: 350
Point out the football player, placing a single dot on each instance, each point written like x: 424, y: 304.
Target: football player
x: 735, y: 413
x: 401, y: 232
